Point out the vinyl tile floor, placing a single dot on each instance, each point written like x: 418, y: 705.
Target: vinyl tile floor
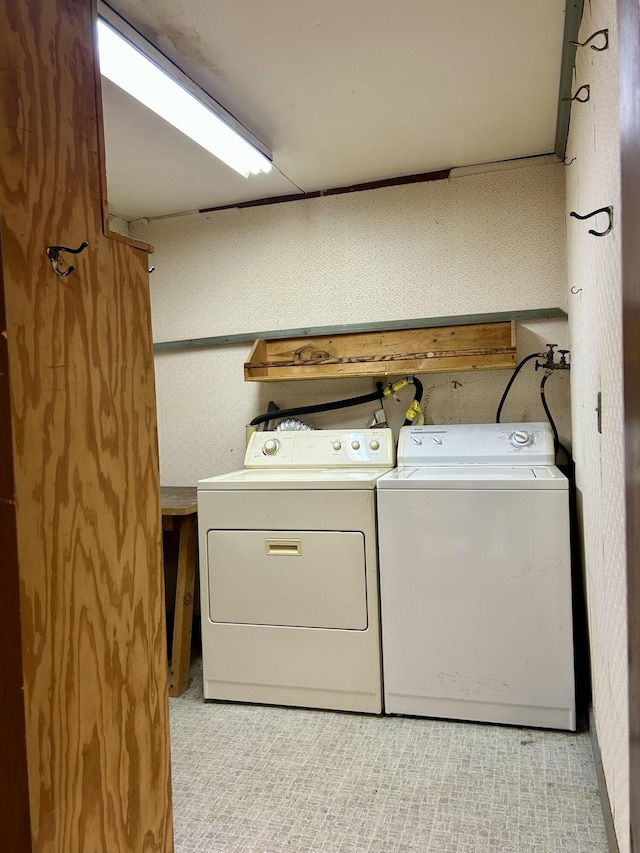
x: 258, y: 779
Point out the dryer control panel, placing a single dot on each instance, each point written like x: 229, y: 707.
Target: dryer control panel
x: 476, y: 444
x: 373, y: 448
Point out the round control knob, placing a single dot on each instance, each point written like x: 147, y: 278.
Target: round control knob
x: 520, y: 438
x: 355, y: 445
x: 270, y: 447
x: 436, y: 439
x: 416, y: 440
x: 337, y: 445
x: 375, y: 444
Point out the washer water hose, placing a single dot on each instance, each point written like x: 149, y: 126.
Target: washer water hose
x: 379, y: 394
x: 320, y: 407
x: 558, y: 445
x: 513, y: 379
x: 415, y: 408
x: 556, y: 438
x: 548, y: 365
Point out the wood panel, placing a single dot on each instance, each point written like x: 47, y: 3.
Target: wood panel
x: 629, y: 57
x: 478, y: 346
x: 85, y: 458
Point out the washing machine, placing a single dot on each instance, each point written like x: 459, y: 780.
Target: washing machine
x: 475, y: 577
x: 289, y: 571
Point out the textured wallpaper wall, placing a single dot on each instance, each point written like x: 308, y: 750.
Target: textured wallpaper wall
x: 477, y: 243
x: 484, y: 242
x: 593, y: 181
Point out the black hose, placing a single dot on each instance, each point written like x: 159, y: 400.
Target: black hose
x: 320, y: 407
x: 417, y: 397
x: 556, y: 438
x: 512, y: 380
x: 557, y: 444
x: 418, y: 386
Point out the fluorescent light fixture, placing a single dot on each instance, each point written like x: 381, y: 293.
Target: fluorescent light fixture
x: 131, y: 70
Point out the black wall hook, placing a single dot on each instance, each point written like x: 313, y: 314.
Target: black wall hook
x: 53, y: 253
x: 607, y: 210
x: 587, y: 91
x: 597, y: 33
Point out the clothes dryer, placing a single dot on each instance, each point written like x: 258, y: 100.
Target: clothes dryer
x: 475, y: 577
x: 289, y: 571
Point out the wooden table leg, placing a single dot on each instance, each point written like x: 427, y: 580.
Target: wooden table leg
x: 183, y: 615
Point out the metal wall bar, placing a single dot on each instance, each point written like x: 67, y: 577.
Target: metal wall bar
x: 572, y: 19
x: 349, y: 328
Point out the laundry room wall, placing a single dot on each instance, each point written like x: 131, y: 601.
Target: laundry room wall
x: 595, y: 311
x: 483, y: 240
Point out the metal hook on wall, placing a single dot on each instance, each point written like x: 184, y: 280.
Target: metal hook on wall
x: 605, y: 46
x: 607, y: 210
x: 586, y: 89
x: 53, y: 253
x: 565, y: 163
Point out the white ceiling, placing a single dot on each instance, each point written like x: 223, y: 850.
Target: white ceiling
x: 342, y: 91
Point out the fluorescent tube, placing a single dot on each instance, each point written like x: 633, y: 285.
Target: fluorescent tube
x: 138, y: 75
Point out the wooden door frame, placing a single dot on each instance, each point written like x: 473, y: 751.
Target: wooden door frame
x: 15, y: 816
x: 629, y: 52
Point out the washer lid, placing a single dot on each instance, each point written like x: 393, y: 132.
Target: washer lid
x: 295, y: 478
x: 475, y: 477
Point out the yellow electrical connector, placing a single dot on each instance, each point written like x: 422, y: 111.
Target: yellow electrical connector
x: 414, y: 409
x: 396, y: 386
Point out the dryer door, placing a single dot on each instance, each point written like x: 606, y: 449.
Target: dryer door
x: 312, y: 579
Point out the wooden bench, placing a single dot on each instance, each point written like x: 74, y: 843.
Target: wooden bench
x: 179, y: 512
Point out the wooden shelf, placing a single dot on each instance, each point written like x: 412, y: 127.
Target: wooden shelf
x: 476, y: 346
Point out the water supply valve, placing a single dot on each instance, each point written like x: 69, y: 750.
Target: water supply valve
x: 563, y: 363
x: 548, y: 363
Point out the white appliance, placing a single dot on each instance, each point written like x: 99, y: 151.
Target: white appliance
x: 289, y: 571
x: 475, y: 577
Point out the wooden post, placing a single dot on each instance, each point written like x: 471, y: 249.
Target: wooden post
x: 82, y: 633
x: 183, y: 614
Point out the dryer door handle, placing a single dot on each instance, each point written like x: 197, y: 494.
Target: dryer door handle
x: 283, y: 547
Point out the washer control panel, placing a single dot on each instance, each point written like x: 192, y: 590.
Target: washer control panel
x: 374, y: 448
x: 476, y: 444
